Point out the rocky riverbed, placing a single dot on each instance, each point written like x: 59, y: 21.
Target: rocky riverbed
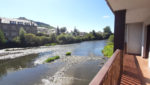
x: 77, y: 69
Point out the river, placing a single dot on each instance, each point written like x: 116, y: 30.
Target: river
x: 30, y: 69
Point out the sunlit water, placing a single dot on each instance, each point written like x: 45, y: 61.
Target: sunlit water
x: 78, y: 69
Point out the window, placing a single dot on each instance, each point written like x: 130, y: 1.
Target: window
x: 12, y: 22
x: 27, y: 23
x: 20, y: 23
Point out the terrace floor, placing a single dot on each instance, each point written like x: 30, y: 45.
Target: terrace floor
x: 135, y: 71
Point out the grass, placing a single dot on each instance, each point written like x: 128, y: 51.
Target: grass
x: 51, y: 59
x: 7, y: 50
x: 68, y: 53
x: 50, y: 44
x: 53, y: 44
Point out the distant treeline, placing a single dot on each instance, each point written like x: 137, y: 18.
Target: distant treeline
x: 62, y: 36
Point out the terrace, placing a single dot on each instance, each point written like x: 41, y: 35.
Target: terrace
x: 131, y: 38
x: 123, y: 69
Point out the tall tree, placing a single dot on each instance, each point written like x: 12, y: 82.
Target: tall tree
x: 94, y: 33
x: 57, y: 31
x: 63, y: 29
x: 2, y: 37
x: 76, y: 32
x: 107, y: 32
x: 22, y: 35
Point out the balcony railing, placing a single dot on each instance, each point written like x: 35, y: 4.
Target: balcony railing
x: 111, y: 71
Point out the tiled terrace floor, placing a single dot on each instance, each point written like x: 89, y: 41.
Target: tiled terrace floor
x: 143, y: 64
x: 132, y: 73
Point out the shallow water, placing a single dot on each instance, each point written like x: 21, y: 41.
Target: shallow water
x: 78, y: 69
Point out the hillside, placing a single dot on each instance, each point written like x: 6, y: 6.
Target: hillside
x: 40, y: 24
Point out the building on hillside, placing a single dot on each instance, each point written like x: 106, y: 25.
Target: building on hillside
x: 45, y: 30
x: 11, y: 27
x: 130, y: 63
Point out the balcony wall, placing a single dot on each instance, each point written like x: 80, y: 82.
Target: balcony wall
x: 111, y: 71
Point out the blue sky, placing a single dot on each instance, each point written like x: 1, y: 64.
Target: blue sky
x: 86, y: 15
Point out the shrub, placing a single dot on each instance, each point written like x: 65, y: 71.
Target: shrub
x: 50, y: 44
x: 30, y: 39
x: 22, y: 33
x: 68, y: 53
x: 53, y: 44
x: 108, y: 50
x: 2, y: 37
x: 16, y: 40
x: 52, y: 59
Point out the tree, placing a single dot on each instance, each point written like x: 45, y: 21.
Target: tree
x: 63, y: 29
x: 76, y: 32
x: 94, y: 34
x: 57, y: 31
x: 22, y: 35
x: 53, y: 37
x: 2, y: 37
x: 107, y: 32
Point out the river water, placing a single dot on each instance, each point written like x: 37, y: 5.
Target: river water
x: 78, y: 69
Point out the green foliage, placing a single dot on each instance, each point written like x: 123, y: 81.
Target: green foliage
x: 2, y: 37
x: 107, y: 32
x: 16, y: 40
x: 76, y: 32
x: 60, y: 37
x: 63, y: 29
x: 52, y: 59
x: 110, y: 40
x: 68, y: 53
x: 53, y: 38
x: 31, y: 39
x: 65, y: 38
x: 21, y: 35
x: 57, y: 31
x: 50, y: 44
x: 108, y: 49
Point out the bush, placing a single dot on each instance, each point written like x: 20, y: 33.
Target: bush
x: 108, y: 50
x: 68, y: 53
x: 52, y: 59
x: 50, y: 44
x: 22, y: 33
x: 2, y: 37
x: 16, y: 40
x: 53, y: 44
x: 65, y: 39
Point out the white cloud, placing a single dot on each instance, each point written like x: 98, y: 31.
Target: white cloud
x: 106, y: 16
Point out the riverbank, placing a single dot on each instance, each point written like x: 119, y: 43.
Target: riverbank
x: 11, y: 53
x: 67, y: 70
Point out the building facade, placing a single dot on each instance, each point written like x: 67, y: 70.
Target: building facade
x: 11, y: 27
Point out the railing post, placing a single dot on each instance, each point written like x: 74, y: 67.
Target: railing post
x: 121, y: 66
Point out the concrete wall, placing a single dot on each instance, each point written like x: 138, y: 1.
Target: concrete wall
x: 12, y: 30
x: 134, y: 38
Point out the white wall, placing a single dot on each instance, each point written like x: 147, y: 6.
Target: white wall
x: 144, y: 36
x: 134, y: 38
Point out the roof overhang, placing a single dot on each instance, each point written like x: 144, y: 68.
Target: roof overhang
x: 136, y: 10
